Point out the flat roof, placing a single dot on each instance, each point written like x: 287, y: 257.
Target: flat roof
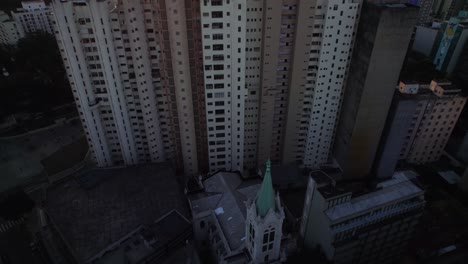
x: 98, y: 207
x: 450, y: 177
x: 399, y: 187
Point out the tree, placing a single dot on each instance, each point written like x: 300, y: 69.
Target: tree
x: 37, y: 80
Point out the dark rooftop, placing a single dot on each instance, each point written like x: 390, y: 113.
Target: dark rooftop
x: 98, y: 207
x: 329, y: 187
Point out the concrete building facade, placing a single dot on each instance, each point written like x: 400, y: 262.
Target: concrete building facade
x: 9, y: 31
x: 419, y: 125
x: 425, y: 11
x: 218, y: 84
x: 425, y: 39
x: 393, y: 139
x: 33, y: 16
x: 224, y: 45
x: 444, y: 9
x: 305, y: 64
x: 439, y: 105
x: 128, y: 66
x: 450, y: 41
x: 381, y: 43
x: 363, y: 227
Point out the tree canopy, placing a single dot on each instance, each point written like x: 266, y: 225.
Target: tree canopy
x: 37, y: 80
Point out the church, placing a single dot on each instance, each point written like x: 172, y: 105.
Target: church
x: 238, y: 220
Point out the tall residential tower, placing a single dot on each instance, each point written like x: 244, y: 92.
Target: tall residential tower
x: 129, y: 67
x: 216, y: 84
x: 381, y: 44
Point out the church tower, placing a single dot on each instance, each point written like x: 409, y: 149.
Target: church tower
x: 264, y: 223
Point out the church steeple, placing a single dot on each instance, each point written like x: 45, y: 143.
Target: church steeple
x: 266, y: 196
x: 264, y: 221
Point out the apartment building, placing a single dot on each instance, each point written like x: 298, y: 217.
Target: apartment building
x: 254, y: 52
x: 306, y: 54
x: 33, y: 16
x: 419, y: 124
x: 9, y: 32
x: 353, y: 225
x: 213, y: 84
x: 224, y: 58
x: 451, y: 38
x: 444, y: 9
x: 382, y: 40
x: 425, y: 10
x: 439, y: 105
x: 129, y: 68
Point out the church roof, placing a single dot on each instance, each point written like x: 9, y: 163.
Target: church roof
x: 225, y: 194
x: 266, y: 195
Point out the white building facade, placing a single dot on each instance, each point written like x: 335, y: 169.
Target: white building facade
x: 224, y: 30
x: 9, y: 31
x: 248, y: 80
x: 329, y: 59
x: 373, y: 227
x: 131, y: 111
x: 33, y: 16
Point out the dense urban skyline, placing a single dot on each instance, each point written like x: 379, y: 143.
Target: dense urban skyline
x: 233, y: 131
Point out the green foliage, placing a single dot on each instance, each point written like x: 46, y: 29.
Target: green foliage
x: 37, y: 80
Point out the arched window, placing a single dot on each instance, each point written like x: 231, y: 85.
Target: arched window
x: 268, y: 239
x: 202, y: 224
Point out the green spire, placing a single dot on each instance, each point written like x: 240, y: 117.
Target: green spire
x: 266, y: 195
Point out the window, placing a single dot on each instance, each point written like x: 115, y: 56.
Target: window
x: 218, y: 47
x: 268, y: 239
x: 218, y: 57
x: 218, y: 36
x: 217, y: 14
x: 216, y: 2
x: 217, y: 25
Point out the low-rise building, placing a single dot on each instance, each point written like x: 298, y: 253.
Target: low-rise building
x: 9, y: 32
x: 33, y: 16
x: 353, y: 225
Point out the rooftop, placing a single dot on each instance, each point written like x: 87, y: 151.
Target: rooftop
x: 397, y: 188
x: 98, y: 207
x: 148, y: 242
x: 226, y: 194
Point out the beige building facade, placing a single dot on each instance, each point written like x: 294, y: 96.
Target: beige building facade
x: 438, y: 109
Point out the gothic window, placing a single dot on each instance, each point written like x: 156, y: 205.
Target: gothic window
x: 268, y: 239
x: 252, y: 235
